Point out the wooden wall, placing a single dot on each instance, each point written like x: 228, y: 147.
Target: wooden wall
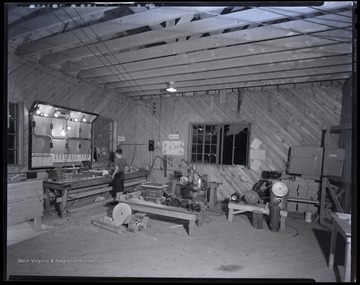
x: 28, y: 82
x: 280, y: 119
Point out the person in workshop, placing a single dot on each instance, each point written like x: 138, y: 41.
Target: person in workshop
x: 118, y: 175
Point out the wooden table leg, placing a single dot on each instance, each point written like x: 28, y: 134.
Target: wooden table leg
x: 347, y: 260
x: 200, y: 220
x: 332, y: 247
x: 191, y: 228
x: 63, y: 204
x: 230, y: 215
x: 282, y: 223
x: 37, y: 223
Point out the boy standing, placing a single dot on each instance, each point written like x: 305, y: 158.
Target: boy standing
x: 118, y: 175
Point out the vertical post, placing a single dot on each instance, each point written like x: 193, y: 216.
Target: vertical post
x: 191, y: 228
x: 324, y: 177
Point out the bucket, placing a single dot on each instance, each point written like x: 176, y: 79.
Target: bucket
x: 308, y: 217
x: 279, y: 192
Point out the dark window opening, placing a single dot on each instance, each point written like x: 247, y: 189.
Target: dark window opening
x: 226, y: 144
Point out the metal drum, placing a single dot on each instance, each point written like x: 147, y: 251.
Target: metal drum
x: 279, y: 193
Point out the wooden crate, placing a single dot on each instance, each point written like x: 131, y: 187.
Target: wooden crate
x: 25, y: 201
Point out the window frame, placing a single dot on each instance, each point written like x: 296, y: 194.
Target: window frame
x: 219, y: 143
x: 18, y: 134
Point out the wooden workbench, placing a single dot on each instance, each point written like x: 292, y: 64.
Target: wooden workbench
x: 243, y: 207
x: 167, y: 211
x: 341, y: 224
x: 72, y: 189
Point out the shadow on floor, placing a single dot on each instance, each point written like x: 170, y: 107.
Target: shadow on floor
x: 323, y: 237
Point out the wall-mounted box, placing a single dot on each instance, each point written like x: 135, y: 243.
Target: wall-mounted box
x: 305, y: 160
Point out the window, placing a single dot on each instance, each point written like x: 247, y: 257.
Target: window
x: 14, y: 134
x: 220, y: 143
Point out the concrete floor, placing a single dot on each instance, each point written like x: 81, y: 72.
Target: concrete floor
x: 220, y: 249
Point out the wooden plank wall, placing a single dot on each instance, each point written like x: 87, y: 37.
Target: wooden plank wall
x: 28, y: 81
x: 280, y: 119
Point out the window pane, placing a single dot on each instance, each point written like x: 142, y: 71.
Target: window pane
x: 12, y: 110
x: 214, y: 139
x: 194, y: 140
x: 195, y: 130
x: 201, y: 129
x: 208, y: 129
x: 241, y: 145
x: 207, y: 138
x: 200, y: 139
x: 199, y: 148
x: 193, y: 158
x: 199, y: 158
x: 11, y: 130
x: 207, y: 148
x: 213, y: 149
x: 228, y: 146
x: 193, y: 150
x: 213, y: 159
x: 11, y: 157
x: 206, y: 158
x: 11, y: 142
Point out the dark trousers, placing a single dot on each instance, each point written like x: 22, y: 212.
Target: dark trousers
x: 118, y: 183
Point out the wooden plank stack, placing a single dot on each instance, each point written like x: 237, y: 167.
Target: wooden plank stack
x: 25, y: 201
x: 303, y: 189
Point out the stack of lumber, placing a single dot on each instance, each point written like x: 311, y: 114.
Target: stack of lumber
x: 304, y: 189
x: 25, y: 201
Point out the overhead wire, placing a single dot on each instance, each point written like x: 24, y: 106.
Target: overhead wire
x: 126, y: 82
x: 101, y: 53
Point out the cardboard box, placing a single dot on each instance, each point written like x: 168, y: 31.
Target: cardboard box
x: 308, y: 161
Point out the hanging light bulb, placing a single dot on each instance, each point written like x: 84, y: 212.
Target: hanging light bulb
x: 46, y: 115
x: 69, y: 128
x: 76, y: 120
x: 83, y: 119
x: 170, y: 87
x: 38, y: 112
x: 62, y: 132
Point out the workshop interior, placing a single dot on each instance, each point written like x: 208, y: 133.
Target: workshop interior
x: 185, y: 141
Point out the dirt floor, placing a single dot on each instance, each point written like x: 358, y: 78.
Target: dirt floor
x: 73, y: 246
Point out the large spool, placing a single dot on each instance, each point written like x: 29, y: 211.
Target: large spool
x: 279, y: 193
x: 121, y: 212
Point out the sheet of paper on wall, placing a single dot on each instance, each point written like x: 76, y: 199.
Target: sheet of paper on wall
x: 258, y: 154
x: 255, y: 144
x: 255, y: 165
x: 173, y: 147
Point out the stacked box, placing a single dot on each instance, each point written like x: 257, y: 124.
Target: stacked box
x: 302, y: 207
x: 292, y: 206
x: 302, y: 191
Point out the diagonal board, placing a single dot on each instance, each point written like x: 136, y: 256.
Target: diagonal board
x: 232, y: 20
x: 282, y: 30
x: 48, y: 20
x: 151, y: 67
x: 96, y: 31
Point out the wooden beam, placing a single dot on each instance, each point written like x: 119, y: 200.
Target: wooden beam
x: 243, y: 69
x: 201, y: 57
x: 275, y: 82
x: 239, y: 37
x: 250, y: 78
x: 232, y: 20
x: 308, y: 53
x: 47, y: 20
x: 98, y: 30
